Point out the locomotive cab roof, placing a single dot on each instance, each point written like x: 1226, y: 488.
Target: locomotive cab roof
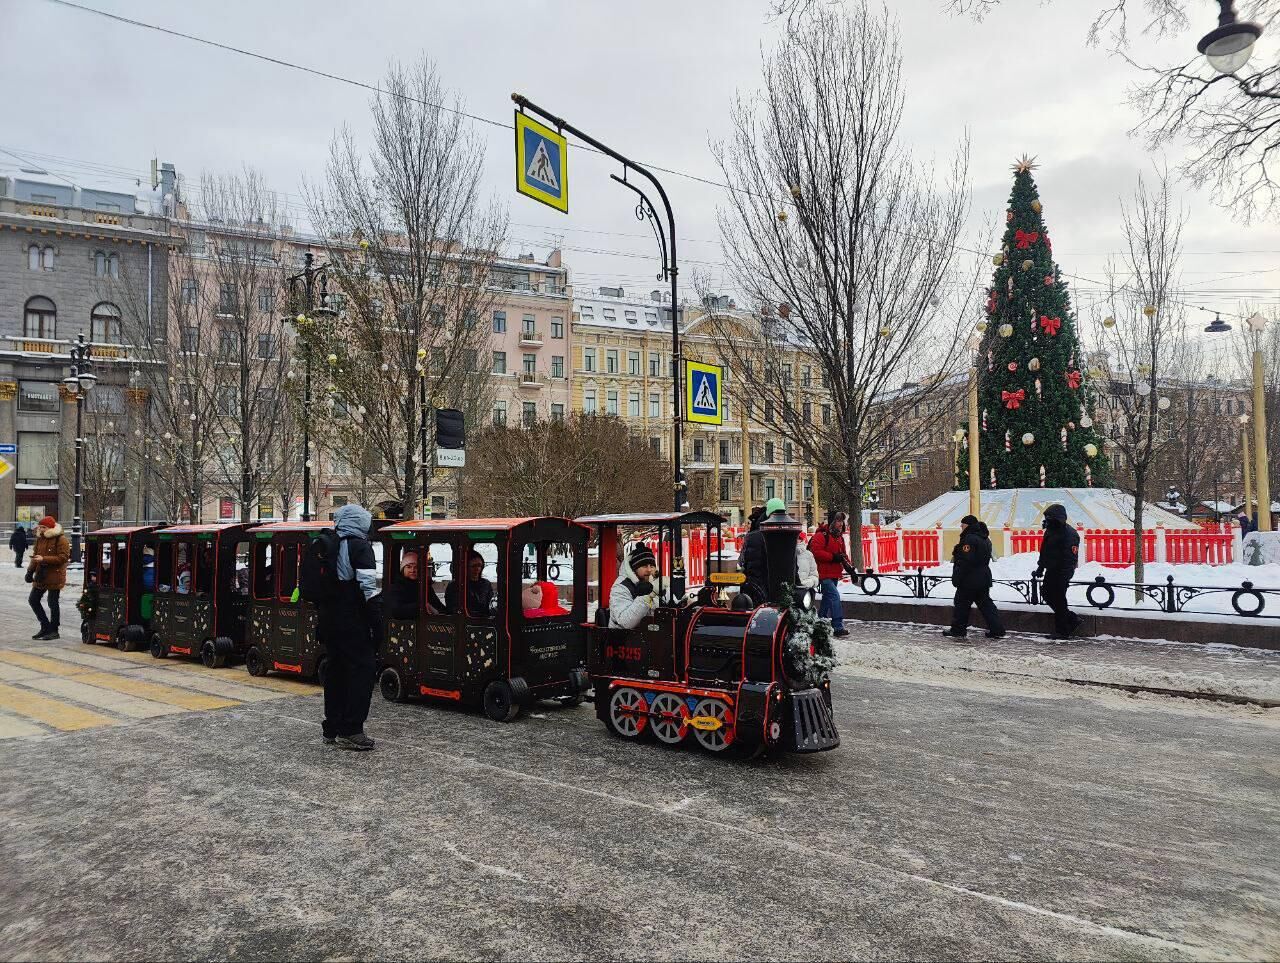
x: 540, y: 526
x: 206, y: 528
x: 655, y: 518
x: 121, y: 530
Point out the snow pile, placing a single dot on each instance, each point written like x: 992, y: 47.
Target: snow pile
x: 1261, y: 548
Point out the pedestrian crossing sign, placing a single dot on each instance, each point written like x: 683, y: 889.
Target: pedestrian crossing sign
x: 703, y: 386
x: 542, y: 163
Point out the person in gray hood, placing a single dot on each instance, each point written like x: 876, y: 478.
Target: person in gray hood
x: 348, y: 625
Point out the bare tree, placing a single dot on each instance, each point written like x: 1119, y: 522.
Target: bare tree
x: 852, y: 236
x: 1203, y: 434
x: 574, y: 467
x: 411, y: 245
x: 1144, y: 340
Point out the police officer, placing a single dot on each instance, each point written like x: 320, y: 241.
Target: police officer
x: 1059, y: 554
x: 971, y: 575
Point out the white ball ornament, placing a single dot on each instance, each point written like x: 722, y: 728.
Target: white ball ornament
x: 1006, y: 330
x: 1163, y: 404
x: 1028, y: 439
x: 1034, y: 364
x: 958, y: 436
x: 1142, y: 388
x: 1086, y: 421
x: 1091, y: 450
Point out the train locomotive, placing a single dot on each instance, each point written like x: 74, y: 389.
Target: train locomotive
x: 725, y: 676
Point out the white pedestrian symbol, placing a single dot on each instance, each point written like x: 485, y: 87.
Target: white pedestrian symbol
x: 541, y: 170
x: 705, y: 398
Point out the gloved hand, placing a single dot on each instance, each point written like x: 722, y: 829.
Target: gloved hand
x: 643, y: 587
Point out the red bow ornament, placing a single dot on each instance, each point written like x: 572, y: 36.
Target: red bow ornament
x: 1013, y: 399
x: 1051, y: 326
x: 1073, y: 379
x: 1023, y: 240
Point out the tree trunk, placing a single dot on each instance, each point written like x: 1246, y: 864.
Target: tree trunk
x: 1139, y: 566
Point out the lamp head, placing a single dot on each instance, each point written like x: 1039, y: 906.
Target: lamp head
x: 1228, y: 46
x: 1218, y: 326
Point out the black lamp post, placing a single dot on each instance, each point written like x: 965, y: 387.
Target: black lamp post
x: 1228, y: 46
x: 79, y: 383
x: 302, y: 291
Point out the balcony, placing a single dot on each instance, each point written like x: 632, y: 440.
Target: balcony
x: 60, y: 348
x: 530, y: 338
x: 531, y: 380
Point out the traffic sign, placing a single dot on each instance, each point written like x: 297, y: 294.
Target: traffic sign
x: 542, y: 163
x: 5, y: 467
x: 8, y: 449
x: 703, y: 389
x: 451, y: 458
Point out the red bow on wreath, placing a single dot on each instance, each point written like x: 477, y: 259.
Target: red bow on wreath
x: 1024, y: 240
x: 1073, y: 379
x: 1051, y: 326
x: 1013, y: 399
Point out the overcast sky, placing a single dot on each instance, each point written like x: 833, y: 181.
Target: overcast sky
x: 95, y: 100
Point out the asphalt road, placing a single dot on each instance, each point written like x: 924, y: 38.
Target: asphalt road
x: 964, y: 817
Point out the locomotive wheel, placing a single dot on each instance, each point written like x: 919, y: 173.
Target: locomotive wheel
x: 628, y: 713
x: 391, y: 686
x: 720, y: 739
x: 211, y: 656
x: 86, y: 634
x: 669, y: 718
x: 254, y: 662
x: 158, y: 649
x: 499, y: 701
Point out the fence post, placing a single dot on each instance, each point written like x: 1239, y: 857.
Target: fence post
x: 872, y: 561
x: 1084, y: 556
x: 902, y: 548
x: 942, y: 542
x: 1162, y: 548
x: 1008, y: 542
x: 1169, y: 604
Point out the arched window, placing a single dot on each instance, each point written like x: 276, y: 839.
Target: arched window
x: 40, y: 319
x: 33, y: 257
x: 99, y: 264
x: 46, y: 260
x: 113, y: 266
x: 104, y: 324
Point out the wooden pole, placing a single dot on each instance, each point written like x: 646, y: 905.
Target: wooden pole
x: 975, y: 487
x: 746, y: 462
x: 1248, y: 471
x: 1261, y: 474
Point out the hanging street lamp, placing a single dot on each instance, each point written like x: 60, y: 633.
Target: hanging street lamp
x: 1229, y: 45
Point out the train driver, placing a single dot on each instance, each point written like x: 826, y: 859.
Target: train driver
x: 632, y: 598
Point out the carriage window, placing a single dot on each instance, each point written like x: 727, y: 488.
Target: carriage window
x: 164, y: 566
x: 148, y: 568
x: 206, y: 567
x: 264, y: 572
x: 288, y: 566
x: 547, y: 580
x: 119, y: 571
x: 240, y: 584
x: 478, y: 572
x: 418, y: 577
x: 182, y: 568
x: 93, y: 563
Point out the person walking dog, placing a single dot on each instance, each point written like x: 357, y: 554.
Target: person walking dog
x: 971, y: 575
x: 1059, y: 555
x: 47, y: 573
x: 18, y: 541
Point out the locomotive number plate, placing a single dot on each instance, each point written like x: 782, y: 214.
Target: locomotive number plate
x: 728, y: 578
x: 627, y: 653
x: 706, y: 723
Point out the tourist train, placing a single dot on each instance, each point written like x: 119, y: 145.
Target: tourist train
x: 494, y: 614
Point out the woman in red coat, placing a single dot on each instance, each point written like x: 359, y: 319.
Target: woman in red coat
x: 827, y: 546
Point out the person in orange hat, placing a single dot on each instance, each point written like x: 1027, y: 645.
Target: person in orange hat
x: 47, y: 573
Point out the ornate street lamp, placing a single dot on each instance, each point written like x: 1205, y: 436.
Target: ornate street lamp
x: 78, y: 384
x: 1228, y: 46
x: 302, y: 290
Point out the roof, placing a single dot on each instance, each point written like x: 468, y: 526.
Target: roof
x: 293, y: 526
x: 204, y: 528
x: 466, y: 524
x: 655, y: 518
x: 120, y: 530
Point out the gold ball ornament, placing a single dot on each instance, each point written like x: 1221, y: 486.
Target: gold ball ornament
x: 1108, y: 322
x: 981, y: 326
x: 364, y: 245
x: 782, y: 216
x: 1149, y: 310
x: 997, y: 259
x: 1163, y: 404
x: 886, y: 331
x: 422, y: 352
x: 1091, y: 450
x: 1034, y: 364
x: 333, y: 359
x: 1144, y: 369
x: 1028, y: 439
x: 1095, y: 372
x: 959, y: 435
x: 1026, y: 265
x: 1036, y: 206
x: 300, y: 319
x: 1006, y: 330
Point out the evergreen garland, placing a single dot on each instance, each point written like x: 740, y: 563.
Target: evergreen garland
x: 808, y: 654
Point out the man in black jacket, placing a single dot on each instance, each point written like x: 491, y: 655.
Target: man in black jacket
x: 18, y: 542
x: 971, y: 575
x: 754, y: 560
x: 1059, y: 554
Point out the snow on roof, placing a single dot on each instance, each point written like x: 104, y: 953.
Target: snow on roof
x: 1024, y: 508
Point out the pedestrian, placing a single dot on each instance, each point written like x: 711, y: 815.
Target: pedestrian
x: 348, y: 623
x: 971, y: 575
x: 1246, y: 526
x: 47, y: 573
x: 18, y: 541
x: 827, y: 546
x: 754, y: 560
x: 806, y: 567
x: 1059, y: 554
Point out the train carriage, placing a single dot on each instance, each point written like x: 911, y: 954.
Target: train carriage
x: 281, y: 631
x: 698, y: 668
x: 117, y: 600
x: 202, y: 592
x: 502, y: 646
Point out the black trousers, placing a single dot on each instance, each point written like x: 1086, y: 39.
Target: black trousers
x: 1054, y: 592
x: 17, y: 557
x: 981, y: 597
x: 350, y: 666
x: 51, y: 620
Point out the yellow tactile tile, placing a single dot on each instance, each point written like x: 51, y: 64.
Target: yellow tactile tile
x: 51, y: 712
x: 154, y: 691
x: 40, y: 664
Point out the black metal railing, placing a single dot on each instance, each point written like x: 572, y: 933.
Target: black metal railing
x: 1100, y: 593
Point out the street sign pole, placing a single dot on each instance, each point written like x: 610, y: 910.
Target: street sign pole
x: 666, y: 236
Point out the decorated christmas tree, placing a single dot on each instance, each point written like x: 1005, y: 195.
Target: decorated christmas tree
x: 1036, y: 427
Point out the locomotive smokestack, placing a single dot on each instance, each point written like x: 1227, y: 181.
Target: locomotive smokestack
x: 781, y: 532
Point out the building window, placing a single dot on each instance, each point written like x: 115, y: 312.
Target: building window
x: 189, y: 291
x: 499, y: 322
x: 33, y: 257
x: 557, y: 411
x: 557, y: 328
x: 655, y: 365
x: 768, y: 410
x: 38, y: 457
x: 470, y: 319
x: 633, y: 404
x: 589, y: 359
x: 190, y: 338
x: 38, y: 397
x: 40, y: 259
x: 768, y: 453
x: 786, y: 374
x: 589, y: 402
x: 699, y: 450
x: 39, y: 319
x: 228, y: 344
x: 500, y: 362
x: 499, y: 413
x: 808, y: 489
x: 557, y: 366
x: 529, y: 414
x: 630, y: 316
x: 228, y: 401
x: 526, y: 325
x: 770, y: 489
x: 104, y: 324
x: 655, y: 406
x: 99, y: 264
x: 588, y: 312
x: 789, y: 490
x: 611, y: 402
x: 266, y: 346
x: 267, y: 301
x: 611, y: 361
x: 633, y: 363
x: 786, y: 452
x: 724, y: 489
x: 806, y: 377
x: 226, y: 298
x: 826, y: 414
x: 655, y: 444
x: 530, y: 365
x: 807, y: 408
x: 610, y: 314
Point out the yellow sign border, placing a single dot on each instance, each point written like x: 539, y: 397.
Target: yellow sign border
x: 691, y: 368
x: 523, y: 186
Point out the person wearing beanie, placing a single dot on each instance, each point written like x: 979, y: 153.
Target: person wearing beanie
x: 971, y: 575
x: 828, y: 548
x: 632, y: 598
x: 754, y: 561
x: 47, y: 573
x: 19, y: 542
x: 1059, y: 554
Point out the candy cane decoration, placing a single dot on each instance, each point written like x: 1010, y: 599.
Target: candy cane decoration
x: 1063, y: 435
x: 993, y: 477
x: 1042, y: 476
x: 1007, y: 446
x: 984, y: 419
x: 1088, y: 476
x: 1038, y: 388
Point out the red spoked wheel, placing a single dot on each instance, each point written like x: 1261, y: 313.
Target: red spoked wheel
x: 669, y: 718
x: 628, y: 713
x: 714, y: 725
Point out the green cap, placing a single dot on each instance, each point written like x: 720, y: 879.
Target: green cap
x: 774, y: 505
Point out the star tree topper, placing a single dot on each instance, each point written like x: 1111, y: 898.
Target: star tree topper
x: 1025, y: 165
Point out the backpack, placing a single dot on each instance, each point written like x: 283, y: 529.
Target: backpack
x: 318, y: 571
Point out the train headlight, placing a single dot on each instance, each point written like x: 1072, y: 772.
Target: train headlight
x: 808, y: 601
